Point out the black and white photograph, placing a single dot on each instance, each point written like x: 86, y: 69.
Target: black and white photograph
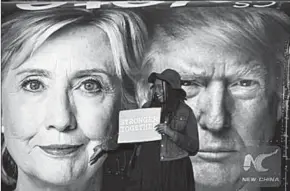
x: 145, y: 95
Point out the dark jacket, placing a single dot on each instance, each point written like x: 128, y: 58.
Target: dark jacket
x: 185, y: 140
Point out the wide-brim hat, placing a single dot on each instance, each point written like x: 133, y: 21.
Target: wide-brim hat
x: 172, y: 77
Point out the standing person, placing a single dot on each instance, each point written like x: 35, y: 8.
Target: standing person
x: 65, y: 75
x: 165, y: 165
x: 233, y: 61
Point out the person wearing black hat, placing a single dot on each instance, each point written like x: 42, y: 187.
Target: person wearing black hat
x: 165, y: 164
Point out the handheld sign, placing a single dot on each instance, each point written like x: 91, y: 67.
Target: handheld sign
x: 138, y: 125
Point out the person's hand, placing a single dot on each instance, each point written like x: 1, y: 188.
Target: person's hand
x: 164, y: 129
x: 98, y: 152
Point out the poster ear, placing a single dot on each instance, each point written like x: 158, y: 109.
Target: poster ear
x: 279, y: 108
x: 276, y: 105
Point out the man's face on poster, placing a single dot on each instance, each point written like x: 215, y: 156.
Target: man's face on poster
x: 232, y: 96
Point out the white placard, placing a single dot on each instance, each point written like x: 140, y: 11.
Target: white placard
x: 138, y: 125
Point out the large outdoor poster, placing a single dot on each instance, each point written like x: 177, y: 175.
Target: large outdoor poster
x: 145, y: 95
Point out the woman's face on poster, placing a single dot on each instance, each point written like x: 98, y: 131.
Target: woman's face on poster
x: 59, y: 104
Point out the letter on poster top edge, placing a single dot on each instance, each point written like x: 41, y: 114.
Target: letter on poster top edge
x: 40, y: 6
x: 179, y: 3
x: 91, y: 5
x: 267, y: 4
x: 135, y: 4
